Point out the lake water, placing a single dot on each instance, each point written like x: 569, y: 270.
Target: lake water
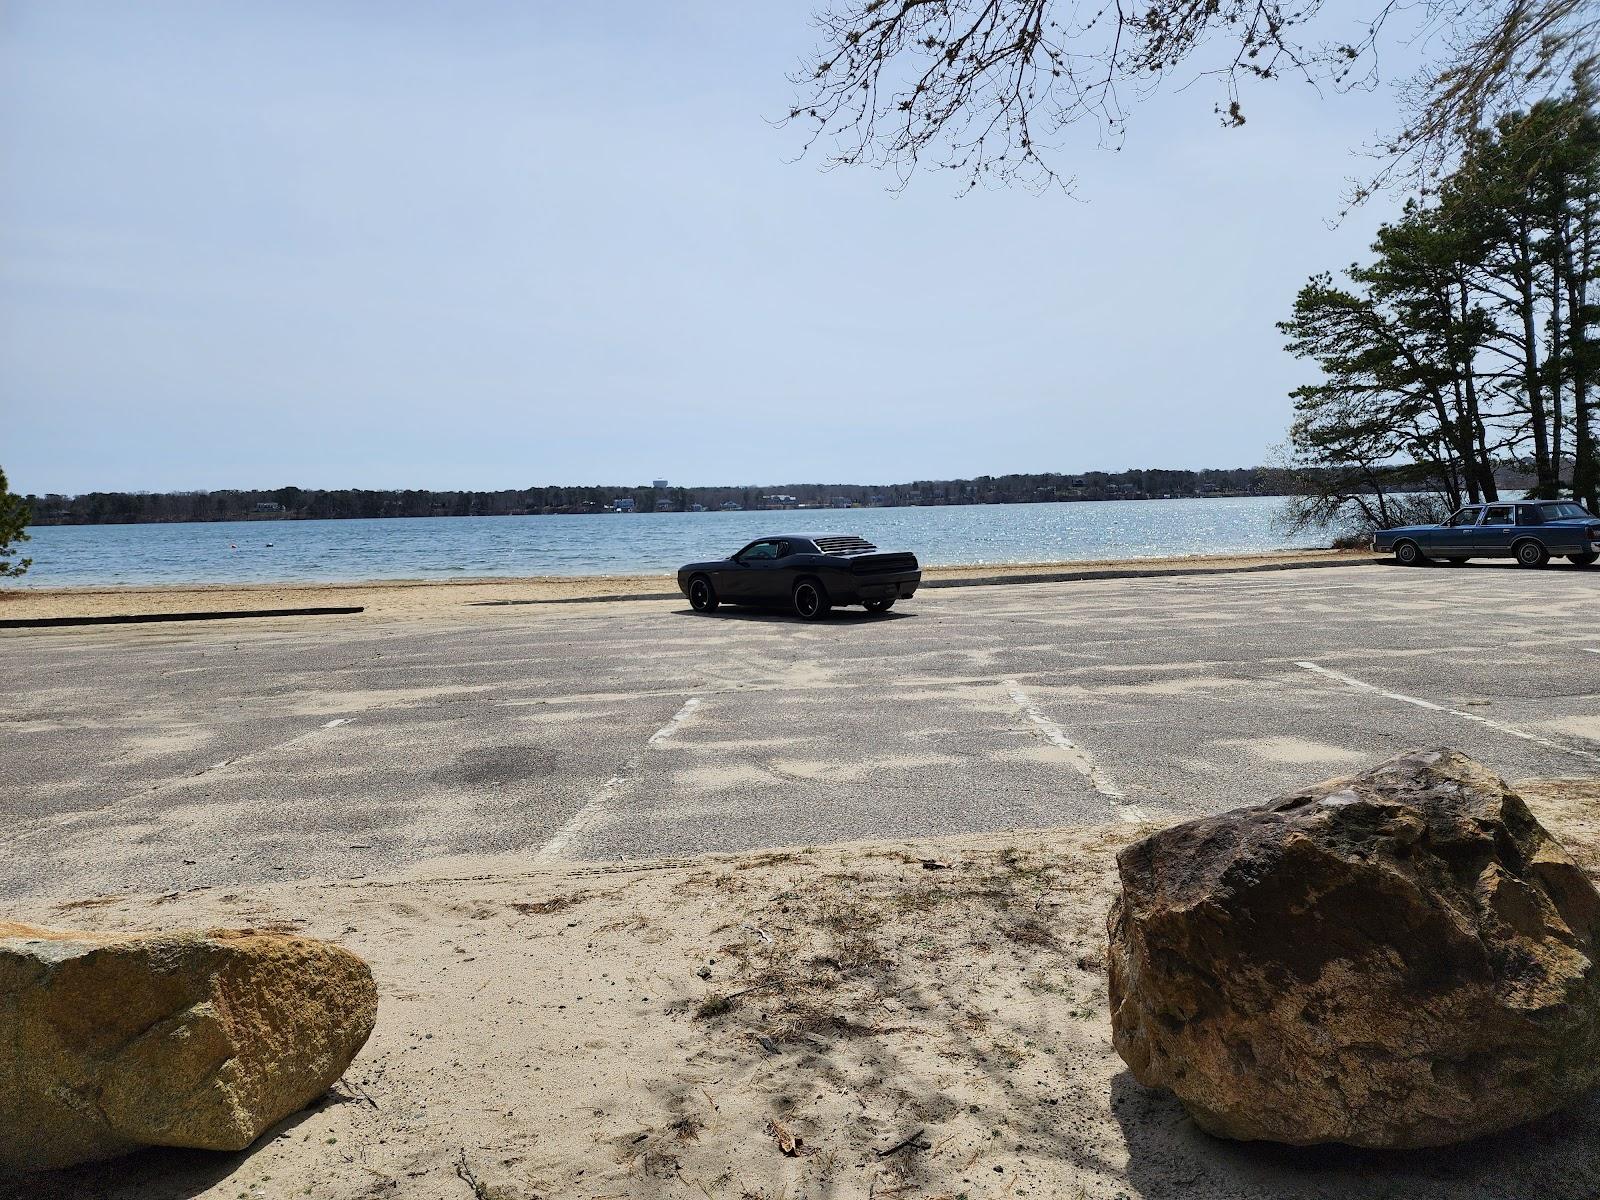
x: 623, y: 543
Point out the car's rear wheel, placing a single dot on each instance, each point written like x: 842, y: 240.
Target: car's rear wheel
x: 809, y: 600
x: 1531, y: 553
x: 1409, y: 554
x: 702, y: 596
x: 877, y: 606
x: 1587, y: 559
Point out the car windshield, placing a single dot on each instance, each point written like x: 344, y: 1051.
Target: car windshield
x: 1554, y: 512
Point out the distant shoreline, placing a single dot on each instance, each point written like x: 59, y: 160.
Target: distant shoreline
x: 479, y: 597
x: 267, y: 517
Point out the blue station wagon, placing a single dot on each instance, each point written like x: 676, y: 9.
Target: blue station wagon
x: 1530, y: 531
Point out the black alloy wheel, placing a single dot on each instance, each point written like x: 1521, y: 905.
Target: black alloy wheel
x: 809, y: 602
x: 702, y: 596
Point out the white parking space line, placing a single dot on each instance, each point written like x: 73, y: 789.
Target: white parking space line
x: 1591, y: 650
x: 678, y: 718
x: 1497, y: 726
x: 587, y: 817
x: 1076, y: 756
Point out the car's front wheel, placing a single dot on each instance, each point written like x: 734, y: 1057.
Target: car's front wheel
x: 809, y: 600
x: 1409, y: 554
x: 1531, y: 554
x: 878, y: 606
x: 1587, y: 559
x: 702, y: 596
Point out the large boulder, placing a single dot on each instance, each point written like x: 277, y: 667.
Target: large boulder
x: 1400, y: 958
x: 200, y: 1038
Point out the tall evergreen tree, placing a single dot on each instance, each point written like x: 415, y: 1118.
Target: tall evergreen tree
x: 1469, y: 337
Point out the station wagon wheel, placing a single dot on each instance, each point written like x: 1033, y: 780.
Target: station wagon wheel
x: 1408, y: 554
x: 702, y: 596
x: 1531, y: 554
x: 878, y: 606
x: 809, y: 602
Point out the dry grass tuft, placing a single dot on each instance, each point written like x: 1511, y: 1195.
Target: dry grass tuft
x: 553, y: 905
x: 687, y: 1128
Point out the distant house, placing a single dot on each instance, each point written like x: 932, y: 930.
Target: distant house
x: 697, y: 508
x: 732, y: 506
x: 663, y: 505
x: 268, y: 506
x: 624, y: 504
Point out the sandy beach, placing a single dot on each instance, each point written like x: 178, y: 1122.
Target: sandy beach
x: 435, y: 599
x: 875, y: 1019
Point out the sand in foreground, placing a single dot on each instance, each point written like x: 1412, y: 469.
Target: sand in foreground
x: 675, y: 1029
x: 426, y: 599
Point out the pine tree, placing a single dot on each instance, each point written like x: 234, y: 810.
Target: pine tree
x: 14, y: 518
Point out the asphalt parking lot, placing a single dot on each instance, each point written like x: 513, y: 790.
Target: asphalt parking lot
x: 157, y: 757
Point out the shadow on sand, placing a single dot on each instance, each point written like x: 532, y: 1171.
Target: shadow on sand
x: 1557, y: 1158
x: 159, y: 1173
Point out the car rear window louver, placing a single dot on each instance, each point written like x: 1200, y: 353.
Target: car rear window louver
x: 844, y: 544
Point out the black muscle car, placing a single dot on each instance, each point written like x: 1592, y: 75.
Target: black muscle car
x: 809, y: 572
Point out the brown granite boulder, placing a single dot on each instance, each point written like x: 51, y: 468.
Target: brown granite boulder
x: 201, y: 1038
x: 1400, y: 958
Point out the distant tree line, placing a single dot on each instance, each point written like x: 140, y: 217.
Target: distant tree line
x: 102, y: 508
x: 1467, y: 345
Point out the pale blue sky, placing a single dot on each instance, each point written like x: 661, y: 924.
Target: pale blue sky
x: 477, y: 244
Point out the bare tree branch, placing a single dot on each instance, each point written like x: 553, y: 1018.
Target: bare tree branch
x: 987, y: 88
